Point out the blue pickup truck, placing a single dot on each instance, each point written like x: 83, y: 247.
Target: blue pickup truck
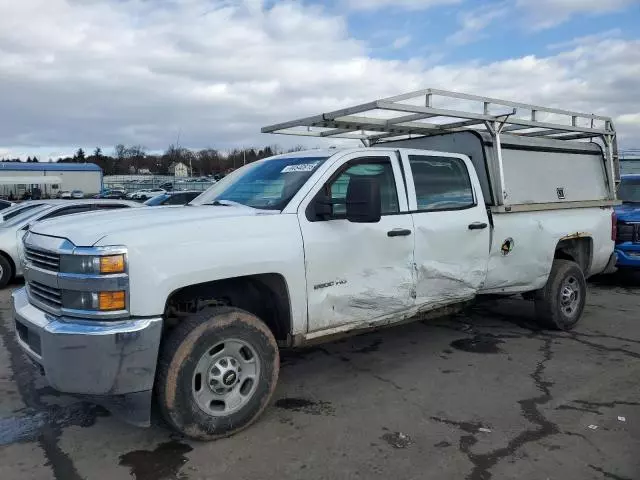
x: 628, y: 242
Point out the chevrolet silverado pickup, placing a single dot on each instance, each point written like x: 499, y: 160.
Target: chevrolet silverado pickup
x: 189, y: 305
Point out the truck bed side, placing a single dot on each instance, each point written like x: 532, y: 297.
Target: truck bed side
x: 524, y: 245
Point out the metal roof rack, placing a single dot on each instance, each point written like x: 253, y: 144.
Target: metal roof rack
x: 415, y: 114
x: 402, y: 115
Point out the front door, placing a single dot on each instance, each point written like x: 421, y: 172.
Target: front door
x: 452, y: 231
x: 358, y: 272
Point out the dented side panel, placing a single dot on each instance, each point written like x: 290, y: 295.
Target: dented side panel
x: 533, y: 236
x: 355, y: 272
x: 452, y: 245
x: 450, y: 259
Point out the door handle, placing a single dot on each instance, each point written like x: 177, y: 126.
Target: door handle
x: 398, y: 232
x: 478, y: 226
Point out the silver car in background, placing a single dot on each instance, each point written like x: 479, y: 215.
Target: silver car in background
x: 12, y: 229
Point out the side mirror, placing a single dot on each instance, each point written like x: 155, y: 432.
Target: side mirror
x: 363, y: 200
x: 322, y: 207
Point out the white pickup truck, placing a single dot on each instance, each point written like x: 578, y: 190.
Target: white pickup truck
x: 190, y: 305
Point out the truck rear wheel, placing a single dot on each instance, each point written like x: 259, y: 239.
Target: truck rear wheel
x: 216, y: 373
x: 559, y: 304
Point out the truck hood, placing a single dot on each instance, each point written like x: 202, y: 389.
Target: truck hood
x: 88, y: 229
x: 628, y: 212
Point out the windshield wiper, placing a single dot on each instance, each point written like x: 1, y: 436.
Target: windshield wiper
x: 225, y: 203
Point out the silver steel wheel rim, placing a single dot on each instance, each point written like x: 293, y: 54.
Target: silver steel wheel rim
x: 1, y: 271
x: 570, y: 296
x: 226, y: 377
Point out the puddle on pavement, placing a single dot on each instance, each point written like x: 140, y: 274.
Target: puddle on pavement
x: 443, y: 444
x: 28, y: 428
x: 397, y: 439
x: 163, y: 463
x: 373, y: 347
x: 305, y: 406
x: 478, y: 344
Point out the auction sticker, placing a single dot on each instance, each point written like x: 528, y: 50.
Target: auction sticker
x: 300, y: 167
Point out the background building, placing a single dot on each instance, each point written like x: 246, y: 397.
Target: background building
x: 49, y: 178
x: 178, y: 169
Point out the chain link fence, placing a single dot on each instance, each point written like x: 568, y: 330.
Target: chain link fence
x: 134, y: 183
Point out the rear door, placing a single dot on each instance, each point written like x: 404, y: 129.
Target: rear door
x: 452, y: 232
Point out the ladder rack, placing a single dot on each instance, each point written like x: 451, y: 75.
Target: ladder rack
x: 415, y: 114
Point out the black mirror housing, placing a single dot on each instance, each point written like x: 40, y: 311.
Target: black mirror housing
x: 322, y: 207
x: 363, y: 200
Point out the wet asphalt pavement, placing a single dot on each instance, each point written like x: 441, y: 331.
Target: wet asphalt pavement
x: 477, y: 396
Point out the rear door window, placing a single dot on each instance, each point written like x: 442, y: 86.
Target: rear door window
x: 441, y: 183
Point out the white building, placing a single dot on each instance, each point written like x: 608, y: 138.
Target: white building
x: 178, y: 169
x: 49, y: 177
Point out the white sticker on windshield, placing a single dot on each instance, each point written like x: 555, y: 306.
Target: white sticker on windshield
x: 301, y: 167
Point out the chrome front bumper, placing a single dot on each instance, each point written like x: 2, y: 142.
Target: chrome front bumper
x: 88, y: 357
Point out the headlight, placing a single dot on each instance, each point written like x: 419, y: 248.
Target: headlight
x: 91, y: 264
x: 96, y: 301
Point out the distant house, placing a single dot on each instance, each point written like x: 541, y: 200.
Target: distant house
x: 144, y: 171
x: 178, y: 169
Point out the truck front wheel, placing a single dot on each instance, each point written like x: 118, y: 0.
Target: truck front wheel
x: 559, y: 304
x: 216, y: 373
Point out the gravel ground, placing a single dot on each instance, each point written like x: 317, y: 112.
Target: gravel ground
x: 481, y: 395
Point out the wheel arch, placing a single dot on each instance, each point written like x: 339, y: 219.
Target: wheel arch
x: 576, y: 248
x: 265, y: 295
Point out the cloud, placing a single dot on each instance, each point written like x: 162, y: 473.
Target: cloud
x: 473, y: 22
x: 549, y: 13
x: 402, y: 41
x: 398, y: 4
x: 101, y: 73
x: 578, y: 41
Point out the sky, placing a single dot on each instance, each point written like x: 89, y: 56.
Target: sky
x: 210, y: 73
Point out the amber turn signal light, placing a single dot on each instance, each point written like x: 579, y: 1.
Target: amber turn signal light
x: 111, y: 301
x: 112, y: 264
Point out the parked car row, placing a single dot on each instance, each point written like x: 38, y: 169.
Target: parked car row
x: 69, y: 194
x: 172, y: 198
x: 146, y: 194
x: 17, y: 221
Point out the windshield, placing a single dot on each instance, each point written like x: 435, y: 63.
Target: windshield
x: 629, y: 190
x: 266, y: 184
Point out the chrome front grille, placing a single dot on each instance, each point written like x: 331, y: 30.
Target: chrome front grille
x: 42, y: 258
x: 49, y: 296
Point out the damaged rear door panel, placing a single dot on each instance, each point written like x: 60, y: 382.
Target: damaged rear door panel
x: 452, y: 232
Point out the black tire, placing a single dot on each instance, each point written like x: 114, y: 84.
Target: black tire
x: 6, y: 271
x: 553, y: 310
x: 186, y: 345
